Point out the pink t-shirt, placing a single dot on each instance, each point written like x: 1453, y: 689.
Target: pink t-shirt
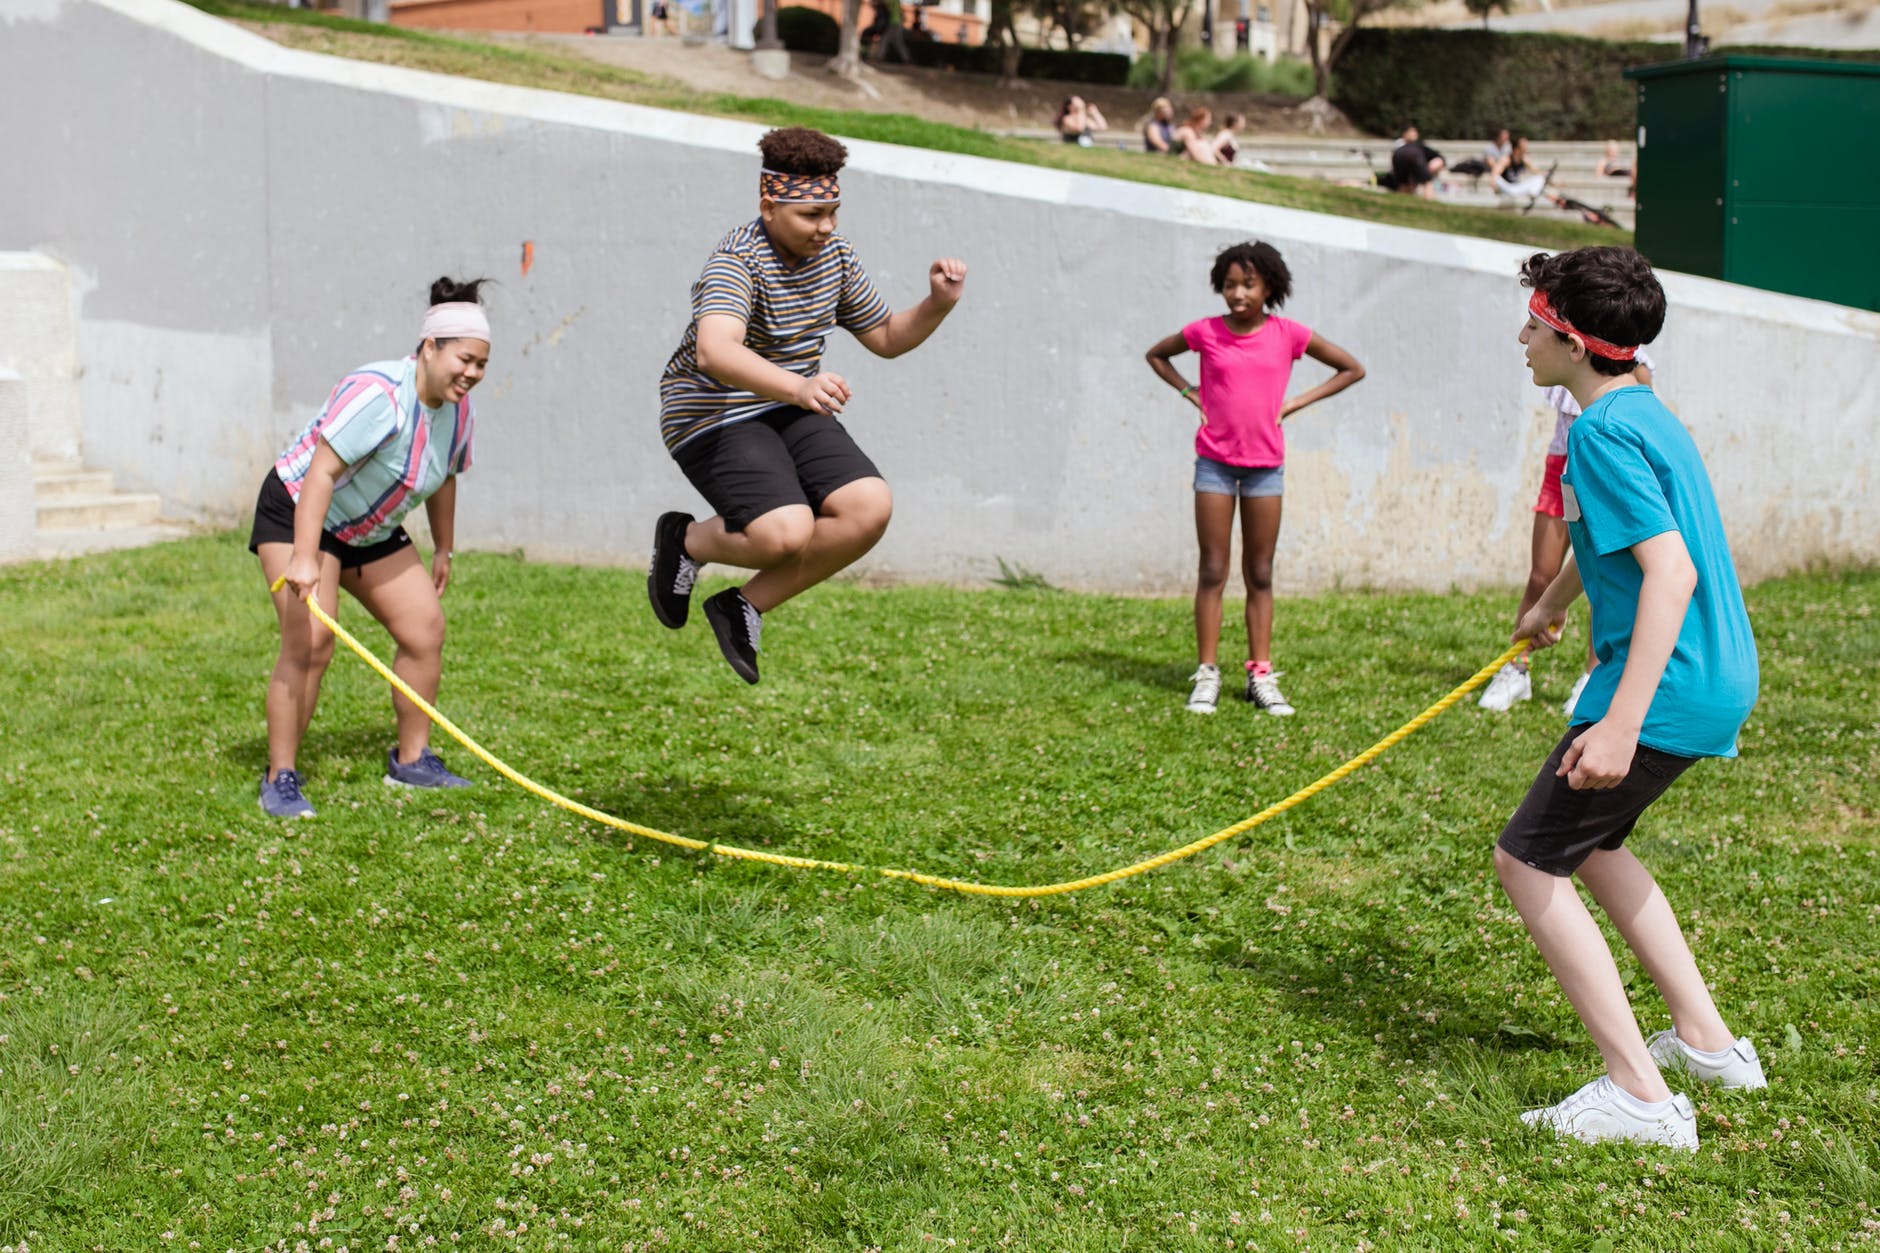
x: 1243, y: 384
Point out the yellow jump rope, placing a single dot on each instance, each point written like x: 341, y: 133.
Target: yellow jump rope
x: 888, y: 872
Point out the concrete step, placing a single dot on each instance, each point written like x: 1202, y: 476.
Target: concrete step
x: 55, y: 484
x: 98, y: 512
x: 56, y: 544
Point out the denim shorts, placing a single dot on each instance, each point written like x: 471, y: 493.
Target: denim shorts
x: 1217, y: 478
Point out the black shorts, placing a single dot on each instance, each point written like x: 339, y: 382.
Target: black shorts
x: 274, y: 524
x: 785, y: 457
x: 1556, y: 828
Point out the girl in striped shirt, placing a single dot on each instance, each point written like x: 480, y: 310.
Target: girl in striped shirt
x: 392, y: 436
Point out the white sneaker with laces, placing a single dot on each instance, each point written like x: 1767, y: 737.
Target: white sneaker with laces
x: 1510, y: 684
x: 1568, y: 705
x: 1603, y: 1111
x: 1207, y: 691
x: 1735, y: 1067
x: 1263, y: 691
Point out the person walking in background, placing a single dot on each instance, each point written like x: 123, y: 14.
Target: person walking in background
x: 392, y: 436
x: 1240, y: 453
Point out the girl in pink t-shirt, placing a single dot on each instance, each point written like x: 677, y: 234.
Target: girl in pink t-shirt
x: 1240, y: 452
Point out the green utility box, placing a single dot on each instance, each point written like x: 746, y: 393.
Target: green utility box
x: 1762, y: 171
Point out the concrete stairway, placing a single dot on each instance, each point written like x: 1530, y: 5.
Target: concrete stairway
x: 81, y: 511
x: 62, y: 509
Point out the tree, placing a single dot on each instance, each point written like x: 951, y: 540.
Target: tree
x: 848, y: 58
x: 1164, y: 20
x: 1074, y: 17
x: 1486, y: 7
x: 1351, y: 13
x: 1003, y: 35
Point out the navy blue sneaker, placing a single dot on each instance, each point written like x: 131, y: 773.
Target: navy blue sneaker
x: 427, y: 771
x: 281, y: 796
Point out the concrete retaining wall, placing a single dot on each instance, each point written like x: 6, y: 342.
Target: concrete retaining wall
x: 278, y: 220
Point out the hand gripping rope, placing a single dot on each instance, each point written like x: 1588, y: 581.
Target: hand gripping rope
x: 888, y: 872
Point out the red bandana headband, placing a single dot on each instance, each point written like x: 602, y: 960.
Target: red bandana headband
x: 1543, y: 311
x: 798, y: 188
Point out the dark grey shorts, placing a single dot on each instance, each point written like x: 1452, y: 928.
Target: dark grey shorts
x: 1557, y: 828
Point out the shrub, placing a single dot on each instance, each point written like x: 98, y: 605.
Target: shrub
x: 1467, y: 82
x: 805, y: 30
x: 1198, y: 69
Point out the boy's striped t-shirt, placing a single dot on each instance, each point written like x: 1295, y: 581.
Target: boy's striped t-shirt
x: 397, y: 452
x: 787, y: 313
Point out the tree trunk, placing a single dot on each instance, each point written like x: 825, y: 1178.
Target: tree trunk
x: 1321, y: 71
x: 848, y: 58
x: 767, y: 27
x: 1171, y: 36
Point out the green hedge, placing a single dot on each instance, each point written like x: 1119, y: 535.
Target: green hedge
x: 1198, y: 69
x: 804, y: 29
x: 1465, y: 83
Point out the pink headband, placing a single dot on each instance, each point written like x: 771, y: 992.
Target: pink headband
x: 798, y: 188
x: 457, y: 319
x: 1543, y: 310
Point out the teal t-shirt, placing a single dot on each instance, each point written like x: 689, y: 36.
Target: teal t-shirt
x: 1633, y: 473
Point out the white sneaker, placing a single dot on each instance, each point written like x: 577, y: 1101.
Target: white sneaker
x: 1573, y: 698
x: 1207, y: 693
x: 1602, y: 1111
x: 1263, y: 691
x: 1510, y: 684
x: 1735, y: 1067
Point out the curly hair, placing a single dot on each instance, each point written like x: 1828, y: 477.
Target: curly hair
x: 1605, y: 291
x: 800, y: 150
x: 1257, y: 258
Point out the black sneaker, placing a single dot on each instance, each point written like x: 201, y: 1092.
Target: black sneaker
x: 738, y: 626
x: 669, y: 582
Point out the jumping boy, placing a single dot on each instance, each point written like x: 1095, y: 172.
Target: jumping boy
x: 1676, y: 678
x: 750, y: 416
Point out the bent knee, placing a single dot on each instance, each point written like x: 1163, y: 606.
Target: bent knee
x: 781, y: 536
x: 422, y: 633
x: 866, y: 504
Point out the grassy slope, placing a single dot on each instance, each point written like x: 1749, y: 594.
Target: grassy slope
x: 435, y: 1016
x: 531, y: 67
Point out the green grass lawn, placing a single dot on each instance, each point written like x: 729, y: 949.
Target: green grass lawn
x: 473, y: 1020
x: 532, y: 67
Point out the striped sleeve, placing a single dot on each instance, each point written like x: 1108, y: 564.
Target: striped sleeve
x: 466, y: 426
x: 859, y: 308
x: 725, y: 286
x: 361, y: 414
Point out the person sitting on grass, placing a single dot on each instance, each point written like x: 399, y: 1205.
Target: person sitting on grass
x: 1547, y: 550
x: 750, y: 415
x: 392, y: 436
x: 1192, y: 139
x: 1158, y: 130
x: 1240, y: 453
x: 1227, y: 139
x: 1677, y: 676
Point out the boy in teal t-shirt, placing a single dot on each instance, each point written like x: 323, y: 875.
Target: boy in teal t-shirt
x: 1676, y: 678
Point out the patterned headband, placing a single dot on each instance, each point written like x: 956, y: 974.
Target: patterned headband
x: 798, y: 188
x: 1543, y: 310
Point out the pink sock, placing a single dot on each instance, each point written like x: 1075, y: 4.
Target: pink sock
x: 1259, y: 669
